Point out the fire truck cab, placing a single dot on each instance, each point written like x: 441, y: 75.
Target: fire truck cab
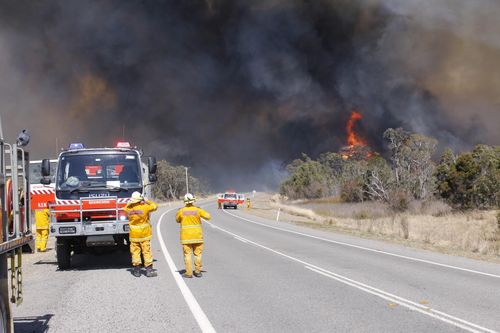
x: 41, y: 194
x: 92, y: 186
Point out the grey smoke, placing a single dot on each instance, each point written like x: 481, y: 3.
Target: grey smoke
x: 235, y: 89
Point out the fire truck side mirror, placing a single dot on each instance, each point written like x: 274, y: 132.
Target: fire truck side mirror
x: 152, y: 165
x: 45, y: 168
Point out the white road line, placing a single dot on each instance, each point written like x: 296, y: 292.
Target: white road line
x: 461, y: 323
x: 404, y: 302
x: 369, y: 249
x: 240, y: 239
x: 195, y: 308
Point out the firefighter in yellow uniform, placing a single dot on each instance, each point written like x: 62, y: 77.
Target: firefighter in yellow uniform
x: 189, y: 218
x: 138, y: 210
x: 42, y: 221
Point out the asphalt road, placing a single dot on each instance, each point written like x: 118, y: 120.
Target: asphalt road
x: 263, y: 276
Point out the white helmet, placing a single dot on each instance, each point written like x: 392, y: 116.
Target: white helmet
x: 136, y: 197
x: 189, y: 198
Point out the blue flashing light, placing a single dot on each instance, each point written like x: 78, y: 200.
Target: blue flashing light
x: 76, y: 146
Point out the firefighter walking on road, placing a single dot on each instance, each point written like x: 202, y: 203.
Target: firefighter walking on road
x: 189, y: 218
x: 138, y: 210
x: 42, y: 220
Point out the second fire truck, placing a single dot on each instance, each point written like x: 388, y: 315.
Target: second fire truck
x: 92, y: 186
x: 230, y: 199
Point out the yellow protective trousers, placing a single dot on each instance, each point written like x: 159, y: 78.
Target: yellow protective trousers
x: 42, y: 235
x: 144, y: 247
x: 189, y: 249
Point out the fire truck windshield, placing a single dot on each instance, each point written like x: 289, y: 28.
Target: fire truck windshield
x: 230, y: 196
x: 98, y: 173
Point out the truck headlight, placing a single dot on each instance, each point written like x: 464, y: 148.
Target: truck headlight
x: 67, y: 230
x: 123, y: 217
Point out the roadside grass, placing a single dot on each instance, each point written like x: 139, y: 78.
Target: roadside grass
x: 431, y: 224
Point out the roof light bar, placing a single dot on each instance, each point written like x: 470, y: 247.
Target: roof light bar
x: 76, y: 146
x: 123, y: 144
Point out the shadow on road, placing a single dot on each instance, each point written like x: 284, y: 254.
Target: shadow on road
x: 111, y: 260
x: 45, y: 262
x: 93, y: 261
x: 182, y: 271
x: 32, y: 324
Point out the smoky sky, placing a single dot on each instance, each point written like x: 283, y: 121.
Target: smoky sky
x: 234, y: 89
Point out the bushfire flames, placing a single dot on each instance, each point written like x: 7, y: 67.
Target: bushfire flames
x: 356, y: 148
x: 352, y: 138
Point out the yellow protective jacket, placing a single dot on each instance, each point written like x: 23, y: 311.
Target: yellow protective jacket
x: 42, y: 218
x: 190, y: 219
x: 138, y: 220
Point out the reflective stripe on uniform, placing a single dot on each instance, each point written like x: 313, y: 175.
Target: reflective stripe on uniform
x: 141, y: 226
x: 191, y: 241
x: 191, y: 226
x: 190, y: 213
x: 138, y: 240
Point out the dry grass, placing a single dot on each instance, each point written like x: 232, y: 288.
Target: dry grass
x: 474, y: 232
x: 430, y: 225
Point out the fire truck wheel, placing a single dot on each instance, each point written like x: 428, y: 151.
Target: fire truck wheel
x: 235, y: 207
x: 63, y: 254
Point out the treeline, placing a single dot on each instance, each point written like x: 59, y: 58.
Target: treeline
x: 171, y: 182
x: 466, y: 180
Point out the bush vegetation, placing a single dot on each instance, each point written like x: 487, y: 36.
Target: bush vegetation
x: 467, y: 180
x: 171, y: 182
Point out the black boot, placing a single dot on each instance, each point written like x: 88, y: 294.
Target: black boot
x: 136, y: 271
x: 150, y: 272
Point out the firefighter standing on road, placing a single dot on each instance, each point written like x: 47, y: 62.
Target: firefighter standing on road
x: 189, y: 218
x: 42, y: 220
x: 138, y: 210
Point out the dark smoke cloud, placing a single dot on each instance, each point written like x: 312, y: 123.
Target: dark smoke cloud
x: 236, y: 88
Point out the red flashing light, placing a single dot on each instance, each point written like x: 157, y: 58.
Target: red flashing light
x: 122, y: 144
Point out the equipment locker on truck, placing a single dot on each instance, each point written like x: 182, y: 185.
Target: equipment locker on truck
x: 15, y: 224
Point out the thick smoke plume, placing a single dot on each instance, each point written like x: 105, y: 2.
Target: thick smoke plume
x: 235, y: 88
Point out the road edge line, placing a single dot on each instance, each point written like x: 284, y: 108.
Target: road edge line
x: 430, y: 262
x: 460, y: 323
x: 198, y: 313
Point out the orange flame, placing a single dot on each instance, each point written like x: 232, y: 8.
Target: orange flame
x: 352, y: 138
x: 356, y: 146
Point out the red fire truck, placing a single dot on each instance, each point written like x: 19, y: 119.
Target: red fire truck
x: 230, y: 199
x: 15, y: 225
x: 92, y: 186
